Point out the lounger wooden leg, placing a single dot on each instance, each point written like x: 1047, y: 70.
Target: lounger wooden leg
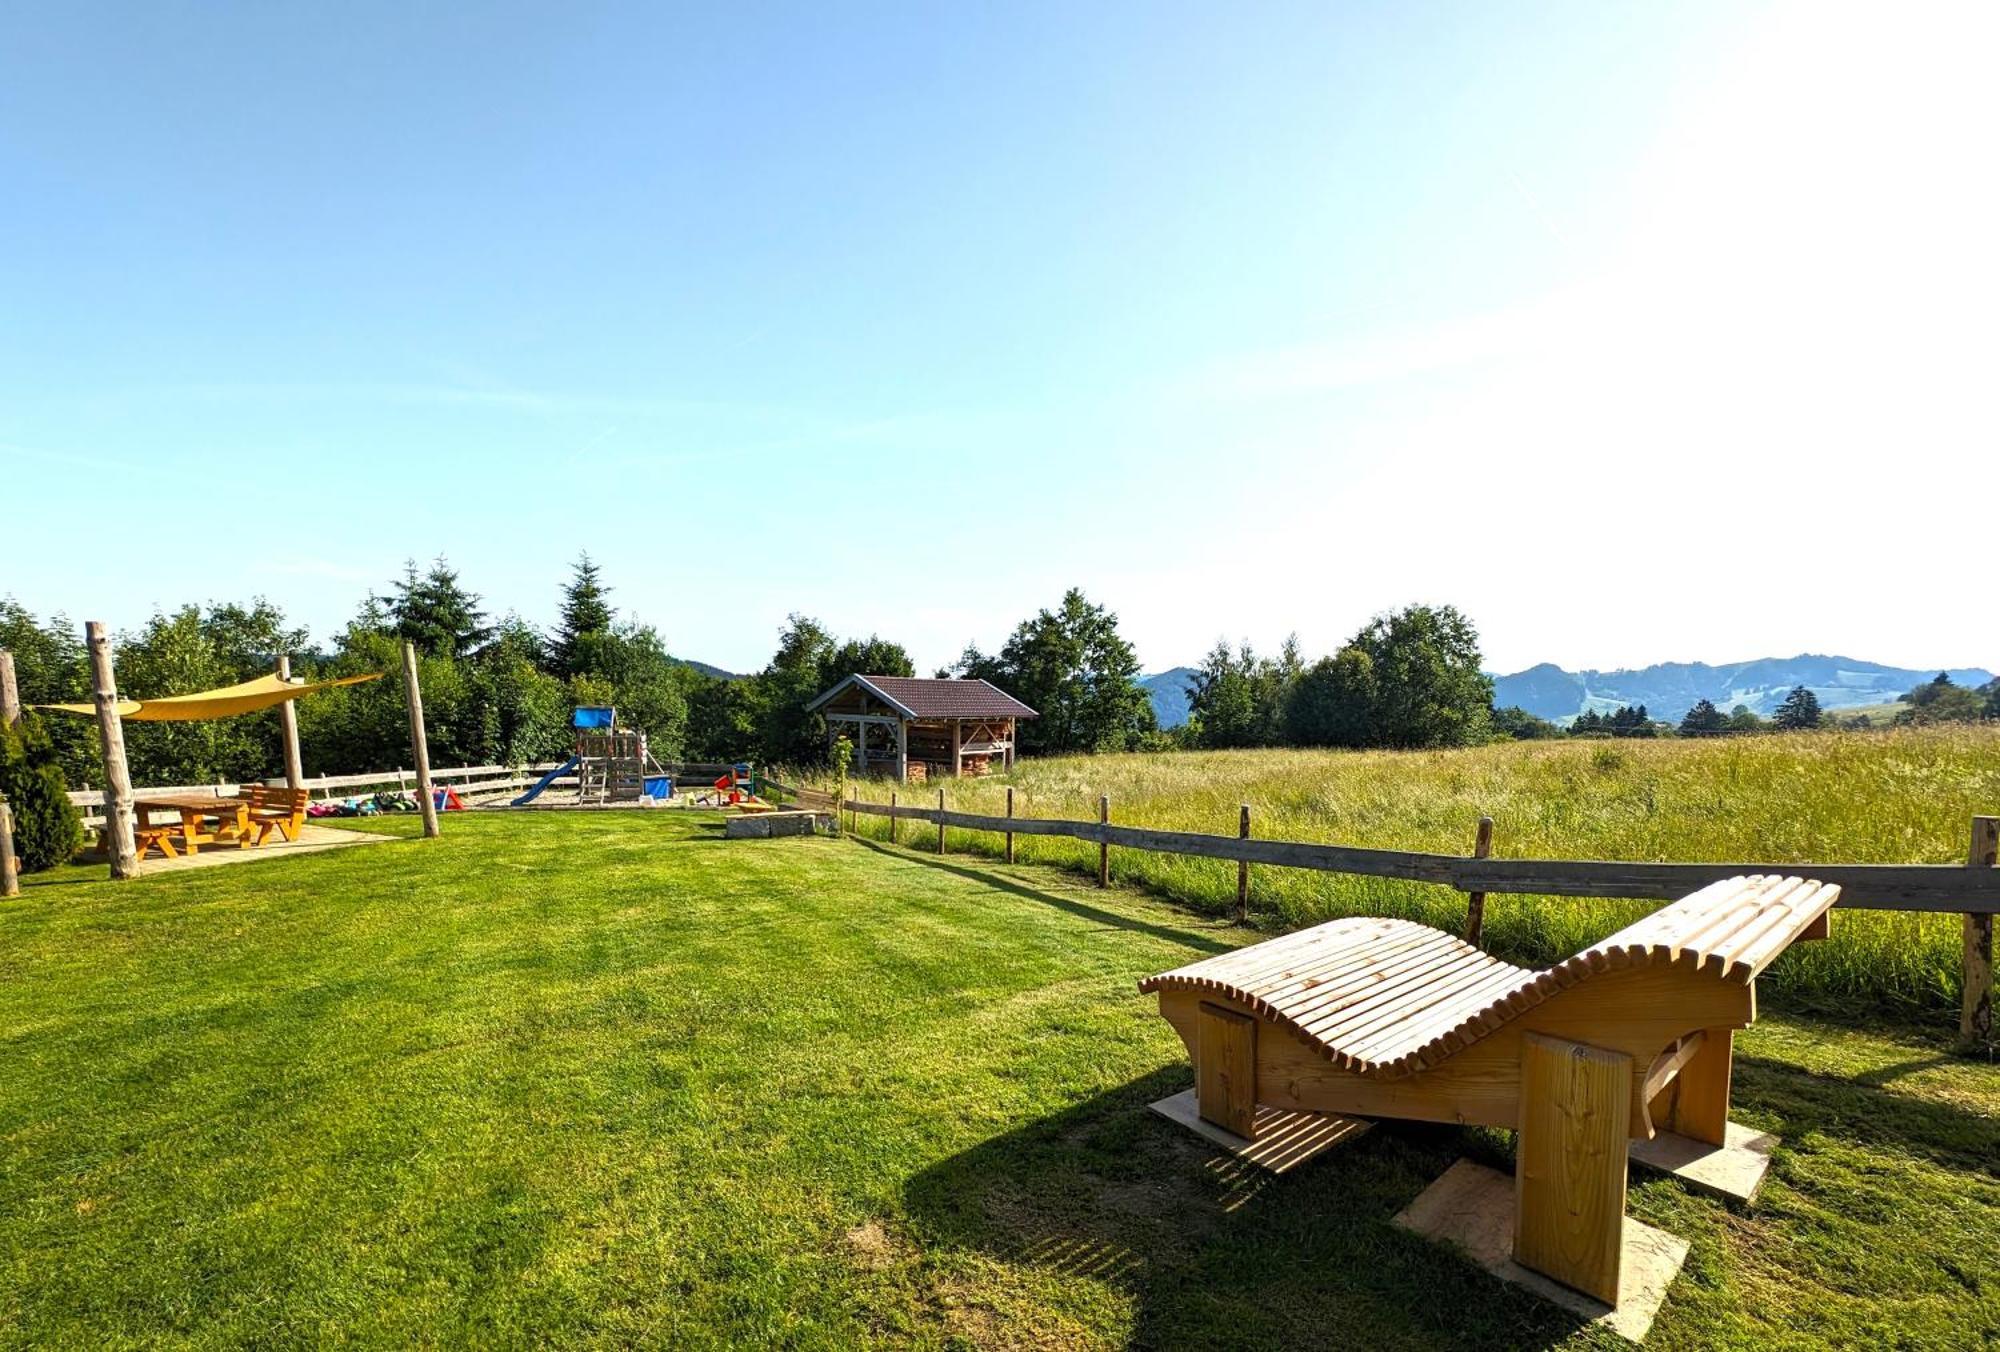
x: 1701, y: 1091
x: 1225, y: 1070
x: 1569, y: 1179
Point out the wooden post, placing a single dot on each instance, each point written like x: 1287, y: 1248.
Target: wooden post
x: 288, y: 720
x: 902, y: 751
x: 1243, y: 868
x: 1103, y: 845
x: 1569, y: 1170
x: 1475, y: 902
x: 419, y: 747
x: 1010, y: 834
x: 10, y: 878
x: 117, y: 778
x: 892, y: 816
x: 1975, y: 1015
x: 10, y: 694
x: 1225, y: 1069
x: 940, y: 821
x: 957, y: 741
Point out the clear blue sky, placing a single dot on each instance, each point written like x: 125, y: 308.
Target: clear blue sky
x: 1638, y: 333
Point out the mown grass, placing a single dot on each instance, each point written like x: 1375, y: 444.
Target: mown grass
x: 1892, y: 796
x: 606, y: 1079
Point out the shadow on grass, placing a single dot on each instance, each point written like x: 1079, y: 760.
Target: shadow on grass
x: 1215, y: 1253
x: 1071, y: 905
x: 1856, y: 1108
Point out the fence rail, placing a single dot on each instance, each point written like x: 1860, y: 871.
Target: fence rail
x: 1952, y: 888
x: 1970, y: 890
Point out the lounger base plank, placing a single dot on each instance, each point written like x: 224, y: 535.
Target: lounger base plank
x: 1284, y: 1140
x: 1733, y: 1170
x: 1471, y: 1208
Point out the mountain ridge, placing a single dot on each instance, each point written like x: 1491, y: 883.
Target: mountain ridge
x: 1667, y: 689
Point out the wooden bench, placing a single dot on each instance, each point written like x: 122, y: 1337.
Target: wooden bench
x: 1388, y: 1018
x: 275, y: 808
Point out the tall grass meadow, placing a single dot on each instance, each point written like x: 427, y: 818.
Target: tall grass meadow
x: 1901, y: 795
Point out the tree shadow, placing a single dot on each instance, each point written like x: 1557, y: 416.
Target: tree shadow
x: 1858, y: 1109
x: 1080, y: 909
x: 1216, y: 1253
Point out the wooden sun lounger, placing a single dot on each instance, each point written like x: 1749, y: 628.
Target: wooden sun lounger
x: 1388, y: 1018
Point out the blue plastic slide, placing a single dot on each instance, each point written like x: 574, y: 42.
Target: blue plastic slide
x: 546, y: 780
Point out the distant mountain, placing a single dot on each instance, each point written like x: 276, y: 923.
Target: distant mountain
x: 705, y: 669
x: 1169, y: 692
x: 1669, y: 689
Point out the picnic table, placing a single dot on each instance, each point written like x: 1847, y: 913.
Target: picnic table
x: 232, y: 815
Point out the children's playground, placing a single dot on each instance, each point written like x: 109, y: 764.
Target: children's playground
x: 611, y: 767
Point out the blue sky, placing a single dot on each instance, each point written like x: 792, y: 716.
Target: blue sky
x: 1638, y: 334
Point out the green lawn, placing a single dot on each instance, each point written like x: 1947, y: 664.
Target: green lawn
x: 607, y: 1078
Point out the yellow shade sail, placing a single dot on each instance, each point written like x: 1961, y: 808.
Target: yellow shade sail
x: 230, y: 700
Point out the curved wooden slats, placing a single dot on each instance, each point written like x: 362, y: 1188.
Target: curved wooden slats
x: 1390, y: 997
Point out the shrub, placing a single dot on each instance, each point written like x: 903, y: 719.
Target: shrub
x: 47, y: 828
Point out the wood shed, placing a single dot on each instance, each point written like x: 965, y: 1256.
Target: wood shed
x: 915, y: 727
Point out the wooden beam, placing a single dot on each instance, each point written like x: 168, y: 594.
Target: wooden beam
x: 957, y: 745
x: 118, y: 841
x: 1243, y: 868
x: 10, y: 877
x: 1700, y: 1109
x: 1010, y: 816
x: 1225, y: 1069
x: 413, y: 696
x: 1569, y: 1172
x: 1475, y: 902
x: 288, y: 723
x: 903, y: 750
x: 1104, y: 842
x: 10, y: 693
x: 1975, y: 1014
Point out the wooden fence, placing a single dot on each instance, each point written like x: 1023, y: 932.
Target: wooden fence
x: 467, y: 781
x: 1971, y: 890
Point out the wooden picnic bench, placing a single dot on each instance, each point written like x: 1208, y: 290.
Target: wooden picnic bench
x: 1389, y: 1018
x: 276, y: 808
x: 189, y: 831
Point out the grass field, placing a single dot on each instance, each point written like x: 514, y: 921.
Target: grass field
x: 608, y: 1079
x: 1900, y: 796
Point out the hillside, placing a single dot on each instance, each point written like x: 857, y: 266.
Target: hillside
x: 1169, y: 695
x: 1669, y: 689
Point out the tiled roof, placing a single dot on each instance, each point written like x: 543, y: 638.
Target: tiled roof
x: 925, y: 697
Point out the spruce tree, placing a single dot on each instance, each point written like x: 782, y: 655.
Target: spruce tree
x: 1799, y: 711
x: 1704, y: 720
x: 584, y: 612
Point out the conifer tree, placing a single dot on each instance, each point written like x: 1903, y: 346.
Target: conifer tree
x: 584, y: 612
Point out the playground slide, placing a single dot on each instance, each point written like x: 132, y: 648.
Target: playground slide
x: 546, y: 780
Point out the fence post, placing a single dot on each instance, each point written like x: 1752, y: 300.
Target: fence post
x: 118, y: 839
x: 10, y: 693
x: 1103, y: 845
x: 1243, y: 868
x: 10, y: 878
x: 1475, y: 902
x: 1975, y: 1016
x: 419, y: 746
x: 1010, y: 834
x: 892, y: 816
x: 940, y: 821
